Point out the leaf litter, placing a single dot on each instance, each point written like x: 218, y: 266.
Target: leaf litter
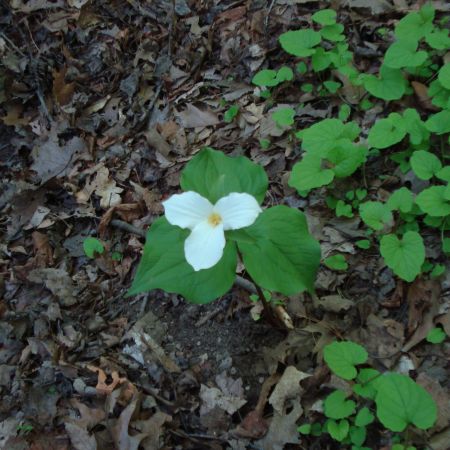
x: 104, y: 105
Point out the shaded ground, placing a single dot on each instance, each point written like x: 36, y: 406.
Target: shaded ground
x: 102, y: 105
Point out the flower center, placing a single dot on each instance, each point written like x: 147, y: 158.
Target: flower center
x: 214, y: 219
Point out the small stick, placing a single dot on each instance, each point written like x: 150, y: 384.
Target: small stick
x: 121, y: 225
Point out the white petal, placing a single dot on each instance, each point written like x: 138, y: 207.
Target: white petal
x: 186, y: 210
x: 237, y: 210
x: 203, y: 248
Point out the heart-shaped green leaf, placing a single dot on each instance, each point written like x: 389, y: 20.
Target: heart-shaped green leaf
x: 433, y: 201
x: 375, y: 214
x: 401, y: 402
x: 309, y: 173
x: 401, y: 200
x: 425, y: 164
x: 342, y: 357
x: 300, y: 42
x: 404, y: 256
x: 387, y: 132
x: 364, y: 417
x: 338, y: 430
x: 336, y: 405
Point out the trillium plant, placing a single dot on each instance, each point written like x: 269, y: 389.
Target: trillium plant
x: 193, y: 250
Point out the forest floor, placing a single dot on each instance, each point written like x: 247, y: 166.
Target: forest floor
x: 104, y: 103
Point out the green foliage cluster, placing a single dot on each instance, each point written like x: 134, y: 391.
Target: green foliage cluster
x: 332, y: 150
x: 277, y: 250
x: 394, y: 399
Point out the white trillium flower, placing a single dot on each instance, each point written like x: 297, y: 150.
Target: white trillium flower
x: 203, y: 248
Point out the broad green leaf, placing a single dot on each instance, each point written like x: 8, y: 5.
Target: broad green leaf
x: 366, y: 385
x: 342, y: 357
x: 440, y: 95
x: 401, y: 200
x: 401, y: 402
x: 284, y: 74
x: 444, y: 174
x: 214, y: 175
x: 325, y: 17
x: 432, y: 201
x: 438, y: 270
x: 309, y: 174
x: 265, y: 77
x: 336, y: 406
x: 446, y: 246
x: 300, y: 42
x: 391, y: 85
x: 358, y: 435
x: 436, y: 335
x: 336, y: 262
x: 364, y: 417
x: 92, y: 246
x: 439, y: 123
x: 333, y: 33
x: 425, y: 164
x: 164, y: 266
x: 346, y: 157
x: 338, y: 430
x: 415, y: 127
x: 322, y: 136
x: 415, y: 25
x: 387, y: 132
x: 284, y: 117
x: 404, y: 54
x: 404, y: 256
x: 444, y: 75
x: 332, y: 86
x: 278, y: 251
x: 231, y: 113
x: 321, y: 59
x: 438, y: 39
x: 375, y: 214
x: 304, y: 429
x: 343, y: 209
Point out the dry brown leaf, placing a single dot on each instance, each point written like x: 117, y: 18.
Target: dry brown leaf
x: 42, y: 250
x: 193, y: 117
x: 62, y: 91
x: 421, y: 91
x: 80, y: 437
x: 102, y: 387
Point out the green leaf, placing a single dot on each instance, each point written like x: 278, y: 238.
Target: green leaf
x: 358, y: 435
x: 346, y: 157
x: 336, y: 262
x: 322, y: 136
x: 304, y: 429
x: 439, y: 123
x: 309, y: 174
x: 401, y: 200
x: 164, y: 266
x: 325, y: 17
x: 387, y: 132
x: 231, y: 113
x: 404, y: 256
x: 444, y: 174
x: 214, y: 175
x: 337, y: 407
x: 338, y: 430
x: 92, y: 246
x: 344, y: 112
x: 333, y: 33
x: 300, y: 42
x: 415, y: 127
x: 284, y: 74
x: 375, y: 214
x: 363, y: 243
x: 116, y: 256
x: 432, y: 201
x: 321, y: 59
x: 278, y: 251
x: 332, y: 86
x: 367, y: 383
x: 438, y: 39
x: 265, y: 78
x: 436, y: 335
x: 425, y: 164
x: 341, y: 358
x: 438, y: 270
x: 343, y: 209
x: 403, y: 54
x: 284, y: 117
x: 364, y: 417
x: 264, y: 143
x: 401, y: 402
x: 415, y: 25
x: 444, y: 75
x: 391, y: 85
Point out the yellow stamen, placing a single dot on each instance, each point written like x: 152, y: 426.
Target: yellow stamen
x: 214, y: 219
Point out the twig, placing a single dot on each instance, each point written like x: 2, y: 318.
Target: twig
x: 266, y: 20
x: 121, y: 225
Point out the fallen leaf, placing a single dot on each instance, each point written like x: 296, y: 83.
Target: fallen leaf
x: 193, y: 117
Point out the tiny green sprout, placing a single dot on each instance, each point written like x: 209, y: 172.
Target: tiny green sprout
x: 343, y: 209
x: 336, y: 262
x: 332, y: 86
x: 344, y: 112
x: 304, y: 429
x: 301, y: 68
x: 116, y: 256
x: 338, y: 430
x: 307, y: 87
x: 92, y: 246
x: 436, y: 335
x: 363, y: 244
x: 364, y: 417
x: 25, y: 428
x: 365, y: 104
x: 231, y: 113
x: 264, y: 143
